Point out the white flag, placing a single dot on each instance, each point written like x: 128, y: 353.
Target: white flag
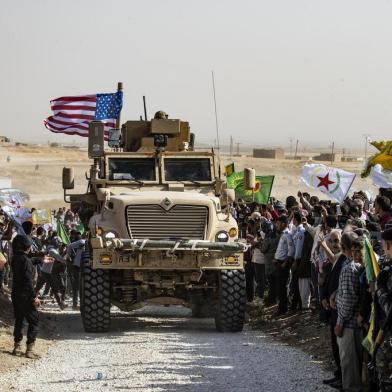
x: 329, y: 180
x: 381, y: 178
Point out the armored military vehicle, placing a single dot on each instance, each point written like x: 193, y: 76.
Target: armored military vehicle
x: 159, y: 228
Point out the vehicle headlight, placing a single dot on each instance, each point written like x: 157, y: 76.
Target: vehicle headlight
x: 222, y: 236
x: 110, y: 235
x: 232, y: 232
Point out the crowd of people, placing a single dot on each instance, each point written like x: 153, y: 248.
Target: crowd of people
x: 334, y: 259
x: 304, y: 255
x: 36, y: 264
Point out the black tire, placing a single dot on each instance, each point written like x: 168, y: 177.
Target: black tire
x: 95, y: 299
x: 230, y: 315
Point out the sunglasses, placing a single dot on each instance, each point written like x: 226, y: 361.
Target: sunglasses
x: 334, y: 241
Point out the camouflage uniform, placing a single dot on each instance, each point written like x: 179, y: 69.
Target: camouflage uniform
x: 384, y: 305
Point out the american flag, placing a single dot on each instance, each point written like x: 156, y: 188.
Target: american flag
x: 72, y: 115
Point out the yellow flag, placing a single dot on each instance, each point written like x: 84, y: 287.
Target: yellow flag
x: 40, y: 217
x: 383, y: 157
x: 229, y: 169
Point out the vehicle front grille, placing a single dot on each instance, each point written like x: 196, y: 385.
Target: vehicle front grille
x: 153, y: 222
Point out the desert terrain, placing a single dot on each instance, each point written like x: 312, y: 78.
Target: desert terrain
x: 37, y: 170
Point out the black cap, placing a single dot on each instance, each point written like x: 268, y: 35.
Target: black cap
x: 21, y: 243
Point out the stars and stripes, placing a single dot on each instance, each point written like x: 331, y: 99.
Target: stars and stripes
x: 72, y: 115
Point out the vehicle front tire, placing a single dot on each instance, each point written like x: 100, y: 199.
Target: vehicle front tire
x: 95, y: 299
x: 230, y: 315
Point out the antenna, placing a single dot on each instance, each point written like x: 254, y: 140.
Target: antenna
x: 145, y: 108
x: 216, y: 120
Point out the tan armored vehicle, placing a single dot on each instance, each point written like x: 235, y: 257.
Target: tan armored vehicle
x: 159, y: 228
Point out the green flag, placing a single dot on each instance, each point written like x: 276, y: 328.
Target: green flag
x: 260, y: 193
x: 370, y: 262
x: 80, y: 228
x: 62, y: 233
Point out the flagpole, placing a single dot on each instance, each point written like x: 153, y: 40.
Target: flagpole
x: 216, y: 124
x: 118, y: 120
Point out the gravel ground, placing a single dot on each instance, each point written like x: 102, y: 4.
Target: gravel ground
x: 162, y: 349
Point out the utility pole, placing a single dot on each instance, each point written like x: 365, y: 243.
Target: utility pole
x: 231, y: 147
x: 332, y: 148
x: 291, y: 146
x: 367, y: 138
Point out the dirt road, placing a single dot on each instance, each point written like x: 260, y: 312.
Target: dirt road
x: 162, y: 349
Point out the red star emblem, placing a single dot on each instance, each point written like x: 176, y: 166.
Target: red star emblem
x: 325, y: 182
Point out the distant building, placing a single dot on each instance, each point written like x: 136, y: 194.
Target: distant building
x: 351, y: 159
x: 328, y: 157
x: 276, y: 153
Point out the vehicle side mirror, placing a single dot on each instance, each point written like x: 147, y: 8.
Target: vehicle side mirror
x: 227, y: 197
x: 68, y: 178
x: 219, y: 186
x: 249, y: 178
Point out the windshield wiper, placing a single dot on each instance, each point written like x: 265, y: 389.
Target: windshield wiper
x: 137, y: 182
x: 125, y: 178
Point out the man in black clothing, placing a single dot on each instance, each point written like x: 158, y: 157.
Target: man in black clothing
x: 23, y: 296
x: 242, y: 218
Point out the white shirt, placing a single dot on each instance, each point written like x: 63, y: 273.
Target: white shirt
x: 285, y: 247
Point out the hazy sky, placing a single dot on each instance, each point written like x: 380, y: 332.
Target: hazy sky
x: 315, y: 70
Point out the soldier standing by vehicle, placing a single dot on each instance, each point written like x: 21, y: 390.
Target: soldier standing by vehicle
x: 23, y: 296
x: 74, y: 254
x: 383, y: 350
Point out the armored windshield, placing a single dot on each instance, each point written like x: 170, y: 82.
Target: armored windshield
x: 187, y: 169
x: 136, y: 169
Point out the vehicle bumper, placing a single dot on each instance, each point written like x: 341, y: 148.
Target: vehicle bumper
x: 144, y: 254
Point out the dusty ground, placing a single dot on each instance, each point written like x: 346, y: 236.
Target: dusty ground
x: 38, y: 171
x: 163, y: 349
x: 300, y: 329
